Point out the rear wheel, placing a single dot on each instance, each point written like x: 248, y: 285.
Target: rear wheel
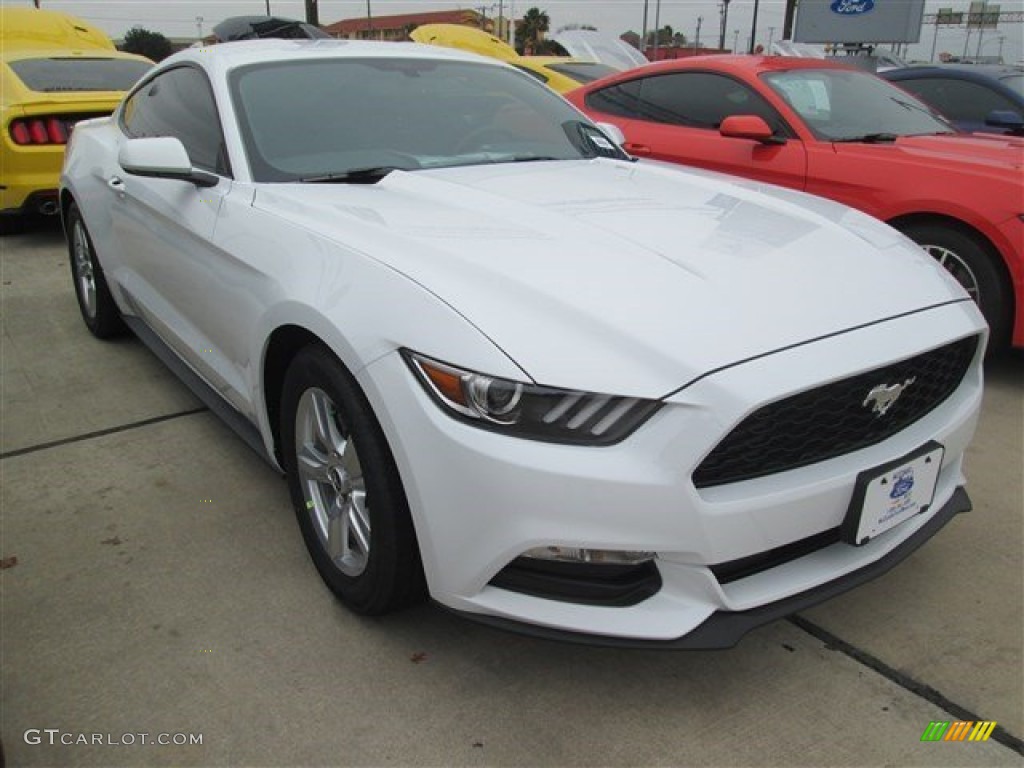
x: 100, y: 313
x: 345, y: 487
x: 971, y: 263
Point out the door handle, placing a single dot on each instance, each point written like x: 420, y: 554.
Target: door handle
x: 116, y: 183
x: 636, y: 149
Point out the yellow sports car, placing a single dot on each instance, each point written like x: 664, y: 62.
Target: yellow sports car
x: 54, y: 72
x: 560, y: 73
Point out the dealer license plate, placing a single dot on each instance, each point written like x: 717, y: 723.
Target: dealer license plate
x: 888, y: 495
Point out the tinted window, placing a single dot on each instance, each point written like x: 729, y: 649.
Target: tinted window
x: 179, y: 103
x: 694, y: 99
x: 533, y: 73
x: 1016, y: 82
x: 843, y: 105
x: 302, y: 119
x: 79, y: 74
x: 583, y: 72
x: 958, y: 99
x: 622, y: 99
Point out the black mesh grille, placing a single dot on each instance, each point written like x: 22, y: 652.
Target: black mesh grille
x: 832, y: 420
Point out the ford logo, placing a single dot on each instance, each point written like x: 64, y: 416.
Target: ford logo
x: 852, y: 7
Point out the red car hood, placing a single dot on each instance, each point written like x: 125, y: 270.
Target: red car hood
x: 1006, y: 152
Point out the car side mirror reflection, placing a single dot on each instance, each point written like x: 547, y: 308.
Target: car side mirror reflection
x: 162, y: 158
x: 1005, y: 118
x: 751, y: 127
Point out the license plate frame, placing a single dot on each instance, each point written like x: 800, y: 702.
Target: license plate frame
x: 892, y: 493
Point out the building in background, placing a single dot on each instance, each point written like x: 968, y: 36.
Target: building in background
x: 399, y: 26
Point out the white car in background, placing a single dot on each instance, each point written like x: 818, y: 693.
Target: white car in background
x: 597, y: 46
x: 504, y: 365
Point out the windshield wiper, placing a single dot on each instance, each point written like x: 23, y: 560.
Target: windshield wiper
x: 869, y: 138
x: 526, y: 158
x: 369, y: 175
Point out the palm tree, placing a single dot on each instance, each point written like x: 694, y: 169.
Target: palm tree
x: 531, y: 29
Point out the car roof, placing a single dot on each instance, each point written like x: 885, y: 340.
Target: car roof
x: 37, y: 28
x: 464, y: 38
x: 730, y: 63
x: 969, y: 71
x: 226, y: 56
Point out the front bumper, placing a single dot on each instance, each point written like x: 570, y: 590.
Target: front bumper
x: 479, y: 500
x: 723, y: 629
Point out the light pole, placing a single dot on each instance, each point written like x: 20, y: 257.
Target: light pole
x: 643, y: 38
x: 735, y: 40
x: 696, y: 41
x: 981, y: 28
x: 753, y: 27
x: 725, y: 19
x: 369, y: 21
x: 657, y: 27
x: 268, y: 7
x: 199, y: 27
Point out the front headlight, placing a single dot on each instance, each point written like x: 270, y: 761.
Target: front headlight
x: 527, y: 410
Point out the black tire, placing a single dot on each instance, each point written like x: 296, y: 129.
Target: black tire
x: 99, y: 312
x: 975, y: 267
x: 360, y: 484
x: 11, y: 224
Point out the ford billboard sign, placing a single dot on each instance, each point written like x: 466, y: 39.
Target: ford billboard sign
x: 852, y: 7
x: 859, y: 21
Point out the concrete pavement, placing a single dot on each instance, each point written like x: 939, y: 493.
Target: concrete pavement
x: 162, y: 587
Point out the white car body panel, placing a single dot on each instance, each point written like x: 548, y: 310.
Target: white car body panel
x: 598, y: 275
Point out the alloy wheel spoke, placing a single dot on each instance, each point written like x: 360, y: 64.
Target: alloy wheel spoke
x: 324, y: 424
x: 359, y: 521
x: 312, y: 464
x: 337, y: 535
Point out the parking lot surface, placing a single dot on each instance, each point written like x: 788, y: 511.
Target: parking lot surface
x: 155, y: 582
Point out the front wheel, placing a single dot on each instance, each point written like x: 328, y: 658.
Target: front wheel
x: 345, y: 487
x: 974, y: 268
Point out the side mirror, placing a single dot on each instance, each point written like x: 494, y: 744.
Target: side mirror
x: 162, y: 158
x: 613, y: 132
x: 751, y: 127
x: 1005, y: 118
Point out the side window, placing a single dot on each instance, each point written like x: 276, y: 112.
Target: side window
x: 622, y: 100
x: 693, y: 99
x: 957, y: 99
x: 179, y: 103
x: 703, y: 100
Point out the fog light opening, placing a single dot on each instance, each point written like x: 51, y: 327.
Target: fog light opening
x: 594, y: 556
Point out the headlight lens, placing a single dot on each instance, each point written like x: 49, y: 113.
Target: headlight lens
x: 528, y: 410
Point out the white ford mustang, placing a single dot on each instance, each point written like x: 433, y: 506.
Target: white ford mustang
x: 505, y: 366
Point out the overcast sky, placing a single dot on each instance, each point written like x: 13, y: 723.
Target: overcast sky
x: 179, y: 18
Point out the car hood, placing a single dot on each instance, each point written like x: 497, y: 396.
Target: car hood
x: 619, y: 277
x: 981, y: 152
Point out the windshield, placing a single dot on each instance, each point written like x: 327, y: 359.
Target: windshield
x: 79, y: 74
x: 328, y: 117
x: 1016, y: 82
x: 843, y: 105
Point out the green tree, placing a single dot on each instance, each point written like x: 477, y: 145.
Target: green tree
x: 665, y: 37
x: 531, y: 29
x: 146, y: 43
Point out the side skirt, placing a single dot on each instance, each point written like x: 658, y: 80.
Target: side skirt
x: 238, y: 423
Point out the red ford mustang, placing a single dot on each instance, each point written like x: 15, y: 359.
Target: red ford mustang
x: 825, y: 128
